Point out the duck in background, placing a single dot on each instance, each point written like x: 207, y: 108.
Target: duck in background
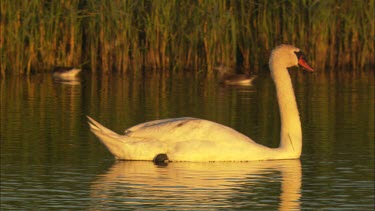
x: 228, y: 76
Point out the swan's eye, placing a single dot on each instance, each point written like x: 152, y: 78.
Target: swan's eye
x: 301, y: 61
x: 299, y: 54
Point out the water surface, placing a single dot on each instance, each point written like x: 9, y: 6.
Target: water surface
x: 50, y: 160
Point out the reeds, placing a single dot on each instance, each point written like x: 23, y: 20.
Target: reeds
x: 124, y: 35
x: 37, y: 35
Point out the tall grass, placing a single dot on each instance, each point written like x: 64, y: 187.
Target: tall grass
x: 124, y: 35
x: 36, y: 35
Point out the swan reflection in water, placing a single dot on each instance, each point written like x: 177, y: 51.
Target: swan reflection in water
x: 195, y: 186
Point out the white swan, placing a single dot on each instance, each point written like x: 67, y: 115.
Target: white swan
x: 191, y: 139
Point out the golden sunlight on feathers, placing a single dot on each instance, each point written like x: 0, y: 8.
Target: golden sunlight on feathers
x: 191, y: 139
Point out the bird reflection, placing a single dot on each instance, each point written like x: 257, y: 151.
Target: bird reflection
x: 184, y: 185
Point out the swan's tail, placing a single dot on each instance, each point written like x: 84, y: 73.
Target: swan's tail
x: 113, y: 141
x: 97, y: 127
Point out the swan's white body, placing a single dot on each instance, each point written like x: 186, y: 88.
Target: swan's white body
x: 190, y: 139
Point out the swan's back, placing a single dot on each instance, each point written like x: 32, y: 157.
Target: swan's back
x: 183, y: 129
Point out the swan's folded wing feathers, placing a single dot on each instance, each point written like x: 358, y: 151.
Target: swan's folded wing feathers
x: 185, y: 128
x: 153, y: 126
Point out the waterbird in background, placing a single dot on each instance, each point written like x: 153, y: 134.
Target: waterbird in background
x: 192, y: 139
x: 228, y: 77
x: 65, y: 73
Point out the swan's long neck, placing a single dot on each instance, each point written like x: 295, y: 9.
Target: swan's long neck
x: 291, y: 134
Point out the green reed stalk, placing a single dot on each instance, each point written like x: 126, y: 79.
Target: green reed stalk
x: 124, y: 35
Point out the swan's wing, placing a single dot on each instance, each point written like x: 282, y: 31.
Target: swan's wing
x: 185, y: 128
x: 163, y: 123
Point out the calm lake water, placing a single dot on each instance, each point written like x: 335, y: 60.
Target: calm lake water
x: 51, y: 161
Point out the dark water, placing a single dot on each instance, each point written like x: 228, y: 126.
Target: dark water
x: 50, y: 160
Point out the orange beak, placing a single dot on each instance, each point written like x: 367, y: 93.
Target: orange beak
x: 304, y: 64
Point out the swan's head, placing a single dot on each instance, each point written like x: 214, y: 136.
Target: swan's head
x: 285, y: 56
